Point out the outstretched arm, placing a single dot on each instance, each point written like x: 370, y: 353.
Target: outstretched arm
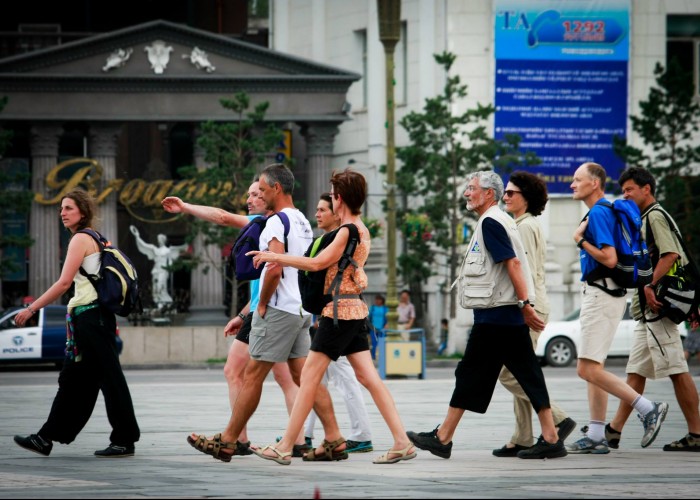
x: 175, y: 205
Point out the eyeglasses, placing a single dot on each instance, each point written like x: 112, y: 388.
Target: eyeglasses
x: 510, y: 192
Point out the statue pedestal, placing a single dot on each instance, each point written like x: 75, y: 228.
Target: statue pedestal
x: 207, y: 316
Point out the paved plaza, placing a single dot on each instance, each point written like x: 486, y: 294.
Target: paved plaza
x: 170, y: 403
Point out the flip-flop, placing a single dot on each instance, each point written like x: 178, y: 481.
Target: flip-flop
x: 402, y: 455
x: 279, y: 458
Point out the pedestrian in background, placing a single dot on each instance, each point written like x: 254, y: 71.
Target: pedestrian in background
x: 525, y: 197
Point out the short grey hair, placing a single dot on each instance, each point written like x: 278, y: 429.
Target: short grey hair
x: 280, y: 174
x: 488, y: 179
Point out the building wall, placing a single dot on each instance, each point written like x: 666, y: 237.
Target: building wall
x: 465, y: 29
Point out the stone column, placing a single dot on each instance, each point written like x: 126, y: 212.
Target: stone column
x: 207, y: 290
x: 319, y: 150
x: 44, y: 221
x: 102, y: 147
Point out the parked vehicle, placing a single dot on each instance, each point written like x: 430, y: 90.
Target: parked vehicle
x: 560, y: 340
x: 41, y: 340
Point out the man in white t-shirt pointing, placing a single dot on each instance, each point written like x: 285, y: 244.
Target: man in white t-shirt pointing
x: 280, y: 327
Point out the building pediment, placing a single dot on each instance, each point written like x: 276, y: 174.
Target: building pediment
x: 164, y: 58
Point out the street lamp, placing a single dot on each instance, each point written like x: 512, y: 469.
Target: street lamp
x: 389, y: 15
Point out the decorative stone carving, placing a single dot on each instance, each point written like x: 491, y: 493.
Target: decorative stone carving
x: 158, y: 55
x: 117, y: 59
x: 200, y: 59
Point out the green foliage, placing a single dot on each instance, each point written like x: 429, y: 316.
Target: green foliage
x: 233, y: 151
x: 444, y: 148
x: 668, y: 126
x: 15, y: 201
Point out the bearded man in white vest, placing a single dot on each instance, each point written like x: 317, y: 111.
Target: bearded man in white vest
x: 495, y: 282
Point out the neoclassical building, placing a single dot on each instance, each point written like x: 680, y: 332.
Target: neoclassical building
x: 120, y: 112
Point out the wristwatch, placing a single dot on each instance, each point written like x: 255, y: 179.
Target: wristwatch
x: 523, y: 303
x: 242, y: 316
x: 580, y: 243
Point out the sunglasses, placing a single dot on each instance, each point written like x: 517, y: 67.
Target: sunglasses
x: 510, y: 192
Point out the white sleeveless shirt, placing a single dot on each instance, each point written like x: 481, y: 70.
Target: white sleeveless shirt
x: 84, y: 291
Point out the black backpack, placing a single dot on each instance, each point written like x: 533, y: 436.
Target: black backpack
x: 679, y: 290
x: 116, y: 284
x: 312, y: 283
x: 247, y: 241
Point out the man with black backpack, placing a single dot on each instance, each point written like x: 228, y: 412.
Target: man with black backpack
x: 657, y: 351
x: 602, y: 307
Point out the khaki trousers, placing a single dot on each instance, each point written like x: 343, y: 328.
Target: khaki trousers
x: 521, y: 404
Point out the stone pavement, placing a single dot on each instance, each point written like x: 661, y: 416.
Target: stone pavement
x: 171, y: 403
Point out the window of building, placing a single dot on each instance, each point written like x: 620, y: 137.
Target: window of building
x: 683, y: 44
x: 361, y: 60
x: 401, y: 67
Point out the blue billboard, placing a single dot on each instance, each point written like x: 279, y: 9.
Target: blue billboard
x: 562, y: 82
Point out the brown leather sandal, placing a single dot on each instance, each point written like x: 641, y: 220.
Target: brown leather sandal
x: 330, y: 454
x: 213, y: 446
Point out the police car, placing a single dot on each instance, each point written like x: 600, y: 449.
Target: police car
x: 42, y: 339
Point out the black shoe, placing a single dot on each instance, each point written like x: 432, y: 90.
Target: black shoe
x: 243, y: 449
x: 612, y: 437
x: 300, y: 450
x: 115, y: 451
x: 35, y: 443
x: 508, y: 452
x: 565, y: 427
x: 543, y: 449
x: 430, y: 442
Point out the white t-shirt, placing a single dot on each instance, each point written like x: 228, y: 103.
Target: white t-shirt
x: 287, y: 296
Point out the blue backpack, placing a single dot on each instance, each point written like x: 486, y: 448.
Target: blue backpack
x: 116, y: 284
x: 633, y: 268
x: 247, y: 241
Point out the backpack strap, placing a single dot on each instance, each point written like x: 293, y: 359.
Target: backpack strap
x: 102, y: 242
x: 285, y: 222
x: 345, y: 260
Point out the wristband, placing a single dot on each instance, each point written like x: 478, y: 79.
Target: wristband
x: 580, y: 243
x: 31, y: 310
x: 242, y: 316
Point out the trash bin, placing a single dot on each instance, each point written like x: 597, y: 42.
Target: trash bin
x: 397, y: 356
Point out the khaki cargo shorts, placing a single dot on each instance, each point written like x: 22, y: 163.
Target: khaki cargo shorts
x: 600, y: 316
x: 654, y: 360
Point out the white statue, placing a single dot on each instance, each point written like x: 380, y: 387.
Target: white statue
x: 200, y: 59
x: 158, y: 55
x: 117, y: 59
x: 162, y: 256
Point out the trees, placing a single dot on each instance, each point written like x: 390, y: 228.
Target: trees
x: 444, y: 148
x: 233, y: 151
x: 668, y: 125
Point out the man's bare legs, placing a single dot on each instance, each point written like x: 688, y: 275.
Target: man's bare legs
x: 284, y: 379
x: 234, y: 370
x: 600, y: 384
x: 686, y: 395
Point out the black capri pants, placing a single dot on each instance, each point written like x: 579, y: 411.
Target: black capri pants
x: 489, y: 348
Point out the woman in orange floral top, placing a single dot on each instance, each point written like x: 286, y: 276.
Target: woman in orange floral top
x: 349, y: 338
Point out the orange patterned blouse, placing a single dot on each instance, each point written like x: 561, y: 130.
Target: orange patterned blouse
x: 354, y: 282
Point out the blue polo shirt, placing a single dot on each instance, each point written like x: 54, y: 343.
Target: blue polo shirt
x: 599, y: 232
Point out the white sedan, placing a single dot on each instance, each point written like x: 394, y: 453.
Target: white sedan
x: 560, y: 340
